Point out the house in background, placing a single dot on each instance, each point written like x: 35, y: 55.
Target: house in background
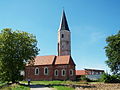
x: 92, y: 74
x: 61, y: 67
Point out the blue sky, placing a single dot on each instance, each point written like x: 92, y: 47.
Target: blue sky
x: 90, y: 22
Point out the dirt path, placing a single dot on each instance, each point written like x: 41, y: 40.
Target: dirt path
x: 39, y: 87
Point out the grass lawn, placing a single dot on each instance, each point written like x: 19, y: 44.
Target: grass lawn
x: 54, y: 82
x: 15, y: 87
x: 48, y: 82
x: 62, y: 88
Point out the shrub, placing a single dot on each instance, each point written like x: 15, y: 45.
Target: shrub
x: 107, y: 78
x: 84, y: 78
x: 115, y: 79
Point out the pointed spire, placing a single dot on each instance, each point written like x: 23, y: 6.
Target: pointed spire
x: 64, y: 24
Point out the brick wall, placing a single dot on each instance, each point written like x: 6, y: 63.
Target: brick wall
x: 67, y: 76
x: 30, y: 72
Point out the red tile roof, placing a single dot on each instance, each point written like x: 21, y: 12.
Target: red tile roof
x: 52, y: 59
x: 44, y: 60
x: 62, y: 60
x: 80, y: 72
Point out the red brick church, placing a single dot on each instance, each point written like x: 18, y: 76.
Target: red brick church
x: 61, y: 67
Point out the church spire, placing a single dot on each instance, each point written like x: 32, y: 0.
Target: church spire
x: 64, y: 37
x: 64, y: 24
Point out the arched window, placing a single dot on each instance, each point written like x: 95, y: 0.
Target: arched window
x: 36, y: 71
x: 46, y: 71
x: 56, y: 72
x: 63, y: 72
x: 71, y: 72
x: 62, y: 35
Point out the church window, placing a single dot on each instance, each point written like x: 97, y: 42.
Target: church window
x: 71, y: 72
x: 36, y: 71
x: 63, y: 72
x: 46, y: 71
x: 62, y: 35
x: 56, y: 72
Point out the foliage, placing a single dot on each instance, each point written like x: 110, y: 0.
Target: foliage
x: 16, y: 87
x: 84, y: 78
x: 113, y: 53
x: 16, y: 48
x: 115, y: 79
x: 3, y: 83
x: 107, y: 78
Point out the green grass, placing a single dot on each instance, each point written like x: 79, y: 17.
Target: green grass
x: 16, y: 87
x: 44, y: 82
x: 62, y: 88
x: 54, y: 82
x: 48, y: 82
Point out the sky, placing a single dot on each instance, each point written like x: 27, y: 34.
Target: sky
x: 90, y: 23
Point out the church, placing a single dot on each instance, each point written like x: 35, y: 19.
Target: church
x: 52, y: 67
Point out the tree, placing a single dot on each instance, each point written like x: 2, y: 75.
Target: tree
x: 105, y: 78
x: 16, y: 48
x: 113, y: 53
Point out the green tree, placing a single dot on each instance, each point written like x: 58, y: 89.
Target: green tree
x: 16, y: 49
x: 113, y: 53
x: 107, y: 78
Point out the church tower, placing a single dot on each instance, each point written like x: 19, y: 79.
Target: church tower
x: 64, y: 37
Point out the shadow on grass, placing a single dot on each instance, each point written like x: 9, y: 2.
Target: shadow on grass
x: 35, y: 85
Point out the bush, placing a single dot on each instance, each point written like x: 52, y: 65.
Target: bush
x: 115, y: 79
x: 107, y: 78
x: 84, y: 78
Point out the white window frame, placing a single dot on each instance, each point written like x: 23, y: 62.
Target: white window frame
x: 71, y: 70
x: 55, y: 73
x: 38, y: 71
x: 62, y: 72
x: 47, y: 71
